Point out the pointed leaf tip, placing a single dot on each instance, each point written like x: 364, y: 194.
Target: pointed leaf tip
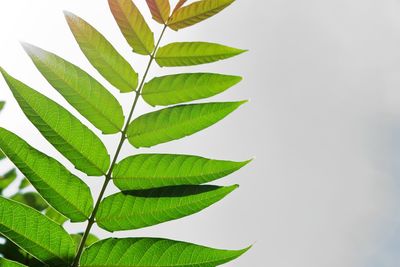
x: 196, y: 12
x: 155, y: 252
x: 177, y: 122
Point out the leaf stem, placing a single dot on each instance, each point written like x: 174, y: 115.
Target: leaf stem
x: 108, y: 176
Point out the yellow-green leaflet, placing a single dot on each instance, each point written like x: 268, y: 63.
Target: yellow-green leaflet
x: 145, y: 171
x: 194, y: 53
x: 80, y: 89
x: 197, y: 12
x: 137, y: 209
x: 177, y: 122
x: 102, y: 54
x: 154, y: 252
x: 65, y: 132
x: 64, y: 191
x: 186, y: 87
x: 160, y: 10
x: 133, y: 26
x: 44, y: 239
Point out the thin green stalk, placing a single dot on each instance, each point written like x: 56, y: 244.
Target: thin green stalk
x: 91, y: 220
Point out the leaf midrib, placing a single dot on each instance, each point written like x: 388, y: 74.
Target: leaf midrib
x: 132, y: 28
x: 101, y: 57
x: 53, y: 189
x: 99, y: 111
x: 169, y: 208
x: 176, y: 125
x: 197, y: 15
x: 58, y: 134
x: 38, y: 244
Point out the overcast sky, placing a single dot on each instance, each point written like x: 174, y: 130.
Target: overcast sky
x: 323, y: 77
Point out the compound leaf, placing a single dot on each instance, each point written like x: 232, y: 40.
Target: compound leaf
x: 197, y: 12
x: 102, y: 55
x: 64, y: 191
x: 133, y: 26
x: 65, y: 132
x: 145, y: 171
x: 7, y: 263
x: 142, y: 208
x: 177, y: 122
x: 181, y: 88
x: 160, y: 10
x: 81, y: 90
x: 35, y: 233
x: 154, y: 252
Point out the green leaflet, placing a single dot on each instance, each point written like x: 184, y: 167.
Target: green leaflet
x: 7, y: 178
x: 177, y: 122
x: 145, y: 171
x: 57, y: 217
x: 138, y: 209
x: 197, y: 12
x: 43, y: 239
x: 102, y: 55
x: 133, y: 26
x: 65, y: 132
x: 146, y: 252
x: 64, y: 191
x: 181, y: 88
x: 160, y: 10
x: 2, y: 104
x: 8, y: 263
x: 81, y: 90
x: 31, y: 199
x: 193, y: 53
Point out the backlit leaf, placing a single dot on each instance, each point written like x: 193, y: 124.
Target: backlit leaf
x: 133, y: 26
x: 160, y: 10
x: 145, y: 171
x: 197, y: 12
x: 81, y: 90
x: 65, y: 132
x: 138, y: 209
x: 64, y: 191
x: 43, y: 238
x: 193, y: 53
x: 154, y: 252
x: 180, y: 88
x: 102, y: 55
x: 177, y: 122
x: 8, y: 263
